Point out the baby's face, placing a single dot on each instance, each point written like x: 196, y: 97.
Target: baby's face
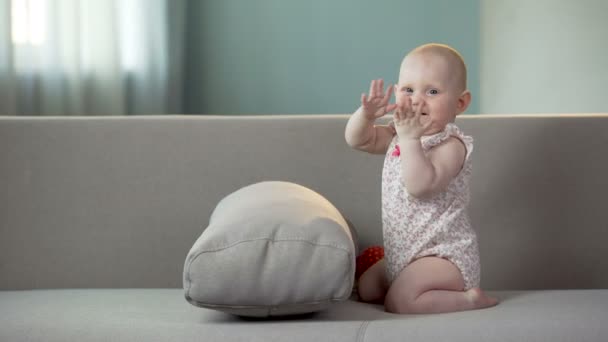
x: 426, y: 81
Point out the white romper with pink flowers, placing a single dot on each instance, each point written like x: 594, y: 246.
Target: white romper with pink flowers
x: 438, y: 226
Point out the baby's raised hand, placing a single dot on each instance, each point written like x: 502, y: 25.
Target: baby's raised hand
x: 376, y: 104
x: 408, y: 122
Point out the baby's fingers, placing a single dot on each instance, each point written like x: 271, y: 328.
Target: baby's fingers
x: 379, y: 87
x: 417, y: 113
x: 406, y: 108
x: 372, y: 89
x: 391, y: 107
x: 398, y: 115
x: 388, y: 108
x: 388, y: 94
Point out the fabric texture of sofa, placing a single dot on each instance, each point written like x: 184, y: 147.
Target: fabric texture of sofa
x: 97, y: 215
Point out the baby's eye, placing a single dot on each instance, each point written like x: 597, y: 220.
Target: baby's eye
x: 408, y: 90
x: 433, y: 92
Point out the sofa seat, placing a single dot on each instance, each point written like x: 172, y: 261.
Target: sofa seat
x: 164, y: 315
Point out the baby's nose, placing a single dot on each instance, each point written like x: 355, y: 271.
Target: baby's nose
x: 416, y: 99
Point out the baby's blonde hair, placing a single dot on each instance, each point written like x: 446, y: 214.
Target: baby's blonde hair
x: 453, y: 58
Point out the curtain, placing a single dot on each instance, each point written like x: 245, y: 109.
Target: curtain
x: 91, y: 57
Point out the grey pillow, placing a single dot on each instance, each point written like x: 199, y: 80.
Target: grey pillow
x: 270, y: 249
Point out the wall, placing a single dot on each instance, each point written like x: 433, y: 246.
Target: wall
x: 315, y: 56
x: 543, y: 56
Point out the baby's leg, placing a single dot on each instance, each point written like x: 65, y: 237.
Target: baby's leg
x: 433, y: 285
x: 373, y: 283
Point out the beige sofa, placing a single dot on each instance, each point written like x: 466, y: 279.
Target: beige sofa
x: 97, y: 215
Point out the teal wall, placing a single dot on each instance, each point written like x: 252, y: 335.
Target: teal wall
x: 314, y: 56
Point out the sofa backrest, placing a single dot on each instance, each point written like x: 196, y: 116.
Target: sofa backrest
x: 119, y: 201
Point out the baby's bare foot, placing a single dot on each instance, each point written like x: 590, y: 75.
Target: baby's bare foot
x: 479, y: 299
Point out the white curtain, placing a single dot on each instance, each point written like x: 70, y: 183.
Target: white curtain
x: 91, y: 57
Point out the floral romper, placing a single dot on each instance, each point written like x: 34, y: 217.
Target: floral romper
x: 438, y: 226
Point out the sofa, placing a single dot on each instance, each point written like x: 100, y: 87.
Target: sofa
x: 97, y: 215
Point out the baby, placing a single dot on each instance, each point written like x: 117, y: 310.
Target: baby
x: 431, y: 258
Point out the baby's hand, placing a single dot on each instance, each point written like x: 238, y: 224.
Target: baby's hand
x: 376, y: 105
x: 408, y: 123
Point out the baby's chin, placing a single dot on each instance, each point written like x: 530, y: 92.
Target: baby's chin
x: 434, y: 130
x: 431, y: 132
x: 436, y: 127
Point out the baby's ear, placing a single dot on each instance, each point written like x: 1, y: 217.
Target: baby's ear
x: 463, y: 101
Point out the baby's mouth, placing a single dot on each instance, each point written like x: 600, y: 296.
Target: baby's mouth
x: 424, y: 113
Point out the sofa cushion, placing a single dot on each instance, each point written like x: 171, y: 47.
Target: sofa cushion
x: 271, y: 248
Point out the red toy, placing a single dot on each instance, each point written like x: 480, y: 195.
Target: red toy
x: 367, y: 259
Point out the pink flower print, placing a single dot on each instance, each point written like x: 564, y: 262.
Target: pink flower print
x: 396, y: 151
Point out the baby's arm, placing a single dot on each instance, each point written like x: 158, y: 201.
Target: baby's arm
x: 424, y: 175
x: 361, y: 133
